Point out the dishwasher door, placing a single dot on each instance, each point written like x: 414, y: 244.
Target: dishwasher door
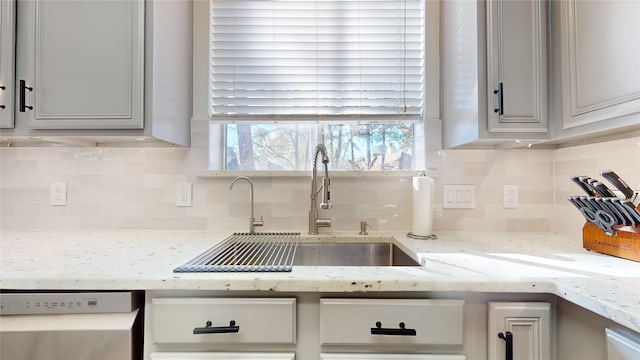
x: 105, y: 336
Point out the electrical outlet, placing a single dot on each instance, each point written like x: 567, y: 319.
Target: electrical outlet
x: 183, y: 194
x: 459, y: 197
x: 509, y: 196
x: 58, y: 194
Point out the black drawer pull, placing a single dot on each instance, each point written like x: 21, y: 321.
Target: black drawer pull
x: 23, y: 96
x: 208, y: 329
x: 379, y: 330
x: 500, y: 92
x: 508, y: 338
x: 2, y: 87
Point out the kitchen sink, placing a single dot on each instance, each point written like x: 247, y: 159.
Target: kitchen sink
x: 275, y: 252
x: 351, y: 254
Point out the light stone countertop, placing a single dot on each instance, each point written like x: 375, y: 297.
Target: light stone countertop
x: 457, y: 261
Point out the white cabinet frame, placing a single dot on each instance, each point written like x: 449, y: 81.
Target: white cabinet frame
x: 530, y: 322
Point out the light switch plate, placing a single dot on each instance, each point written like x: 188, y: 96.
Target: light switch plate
x: 459, y: 197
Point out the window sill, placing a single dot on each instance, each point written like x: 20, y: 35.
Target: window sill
x: 307, y: 173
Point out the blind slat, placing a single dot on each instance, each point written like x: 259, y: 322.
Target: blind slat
x: 283, y: 58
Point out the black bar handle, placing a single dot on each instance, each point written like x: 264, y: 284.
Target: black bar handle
x: 379, y: 330
x: 499, y: 91
x: 2, y: 87
x: 23, y: 96
x: 208, y: 329
x: 508, y: 338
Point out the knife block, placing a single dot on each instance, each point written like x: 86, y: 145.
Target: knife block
x: 625, y: 244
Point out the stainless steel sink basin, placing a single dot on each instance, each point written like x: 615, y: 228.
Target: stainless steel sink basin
x: 276, y: 252
x: 351, y: 254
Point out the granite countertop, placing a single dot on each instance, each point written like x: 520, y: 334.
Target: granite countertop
x: 457, y: 261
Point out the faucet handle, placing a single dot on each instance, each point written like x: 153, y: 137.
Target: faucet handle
x: 326, y: 194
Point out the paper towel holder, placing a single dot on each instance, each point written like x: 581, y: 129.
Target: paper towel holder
x: 422, y: 237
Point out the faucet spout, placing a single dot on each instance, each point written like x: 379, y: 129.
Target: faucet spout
x: 252, y: 220
x: 314, y: 220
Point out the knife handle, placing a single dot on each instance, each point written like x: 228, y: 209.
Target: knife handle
x: 617, y: 181
x: 632, y: 220
x: 586, y: 181
x: 602, y: 189
x: 620, y: 219
x: 587, y: 189
x: 631, y: 209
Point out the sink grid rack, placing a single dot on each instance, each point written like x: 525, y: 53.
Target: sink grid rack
x: 247, y: 252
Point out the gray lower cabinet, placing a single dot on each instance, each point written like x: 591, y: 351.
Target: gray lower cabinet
x: 389, y: 357
x: 312, y: 326
x: 307, y: 327
x: 403, y: 322
x: 212, y: 328
x: 224, y: 320
x: 622, y: 345
x: 80, y: 64
x: 520, y: 330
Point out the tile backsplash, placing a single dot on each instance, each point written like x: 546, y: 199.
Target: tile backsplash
x: 135, y: 188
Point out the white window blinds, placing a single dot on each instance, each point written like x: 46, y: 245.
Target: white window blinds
x: 317, y: 59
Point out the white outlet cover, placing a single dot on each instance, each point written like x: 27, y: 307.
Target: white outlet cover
x: 58, y: 194
x: 510, y: 199
x: 183, y: 194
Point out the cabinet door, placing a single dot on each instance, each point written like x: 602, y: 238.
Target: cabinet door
x: 83, y: 61
x: 517, y: 65
x: 221, y: 356
x: 528, y: 325
x: 7, y: 62
x: 622, y: 346
x: 600, y: 60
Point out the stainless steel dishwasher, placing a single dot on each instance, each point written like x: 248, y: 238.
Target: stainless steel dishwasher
x: 71, y: 325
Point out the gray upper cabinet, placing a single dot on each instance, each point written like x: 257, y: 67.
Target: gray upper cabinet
x: 517, y: 65
x: 82, y: 63
x: 7, y: 62
x: 600, y: 65
x: 494, y: 71
x: 100, y: 71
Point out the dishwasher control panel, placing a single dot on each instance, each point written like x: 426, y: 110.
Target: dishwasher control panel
x: 66, y: 303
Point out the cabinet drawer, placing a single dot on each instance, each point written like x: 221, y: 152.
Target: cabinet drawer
x: 390, y: 357
x: 352, y: 321
x: 221, y: 356
x: 264, y: 321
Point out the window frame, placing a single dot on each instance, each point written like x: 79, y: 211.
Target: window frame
x: 211, y: 135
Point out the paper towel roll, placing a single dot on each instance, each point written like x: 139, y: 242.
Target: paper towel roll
x: 422, y: 206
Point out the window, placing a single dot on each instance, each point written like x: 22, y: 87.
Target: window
x: 290, y: 147
x: 288, y: 74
